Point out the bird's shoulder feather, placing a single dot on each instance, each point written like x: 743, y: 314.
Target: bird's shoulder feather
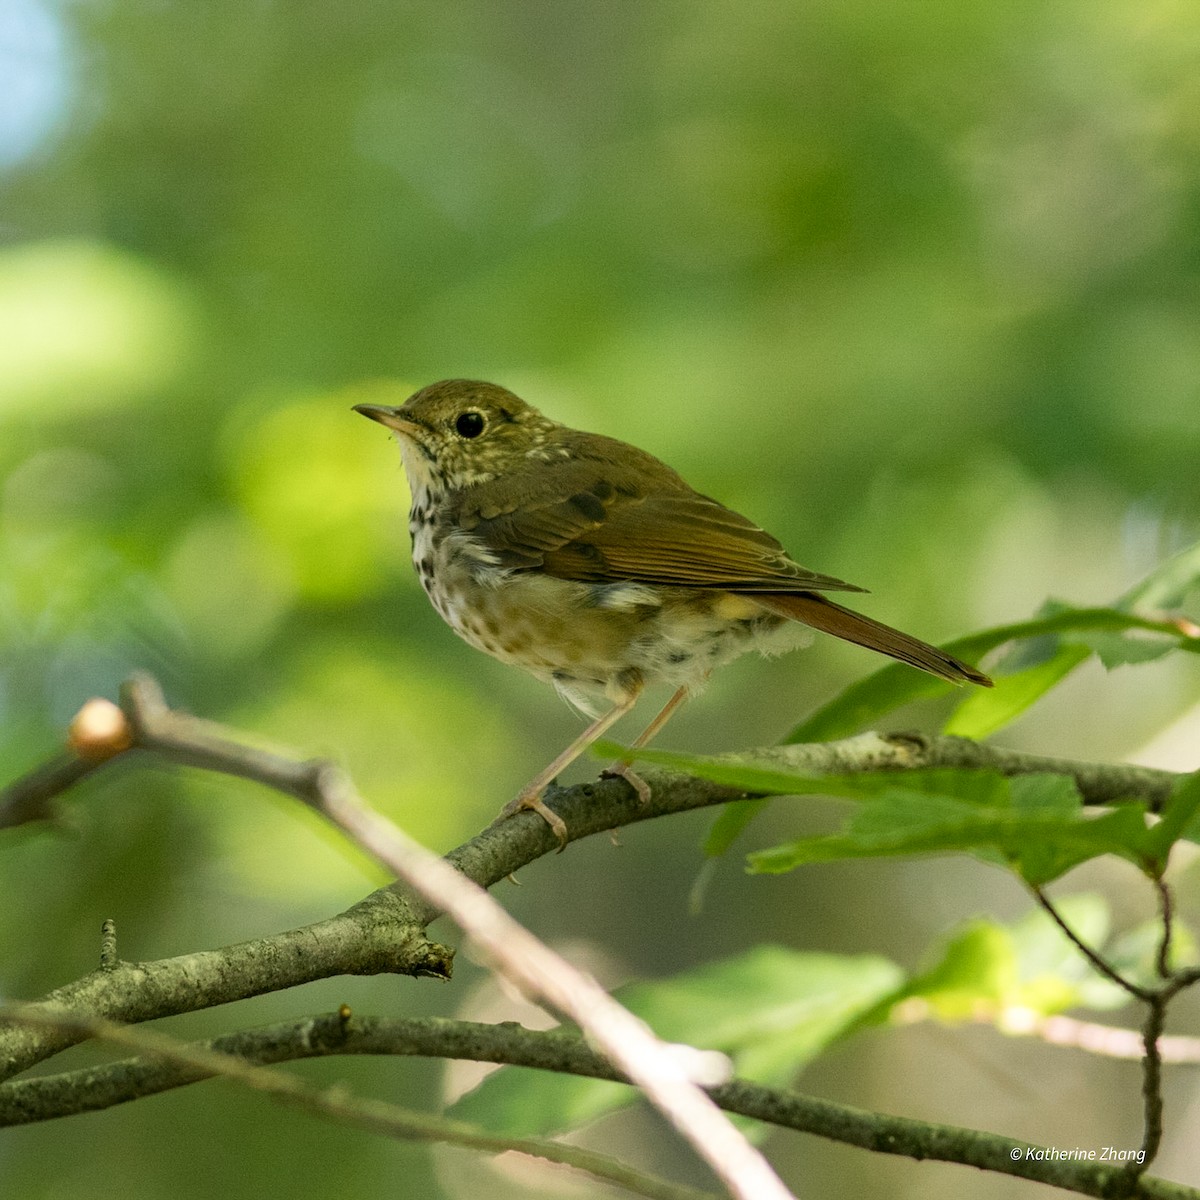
x: 602, y: 511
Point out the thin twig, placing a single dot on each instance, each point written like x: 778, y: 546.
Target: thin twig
x: 196, y: 1061
x: 1152, y: 1031
x: 92, y: 1088
x: 1166, y: 914
x: 29, y: 797
x: 1156, y: 1001
x: 1107, y: 1041
x: 665, y: 1074
x: 1097, y: 960
x: 1152, y: 1101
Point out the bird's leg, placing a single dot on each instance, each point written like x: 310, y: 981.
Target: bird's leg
x: 530, y: 796
x: 623, y: 767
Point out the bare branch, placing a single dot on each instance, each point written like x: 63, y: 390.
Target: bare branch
x: 610, y: 804
x: 1097, y: 960
x: 191, y: 1062
x: 665, y: 1074
x: 1109, y: 1041
x: 92, y: 1088
x: 385, y: 931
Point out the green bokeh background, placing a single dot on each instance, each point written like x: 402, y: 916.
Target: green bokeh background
x: 913, y: 284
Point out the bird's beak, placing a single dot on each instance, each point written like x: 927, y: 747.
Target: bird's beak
x: 391, y: 417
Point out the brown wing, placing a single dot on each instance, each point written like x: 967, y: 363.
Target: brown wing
x: 595, y: 522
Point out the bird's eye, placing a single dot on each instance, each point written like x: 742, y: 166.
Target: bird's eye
x: 469, y: 424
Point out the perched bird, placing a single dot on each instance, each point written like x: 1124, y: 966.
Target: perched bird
x: 595, y: 567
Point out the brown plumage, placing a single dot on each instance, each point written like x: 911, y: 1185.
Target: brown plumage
x: 595, y: 566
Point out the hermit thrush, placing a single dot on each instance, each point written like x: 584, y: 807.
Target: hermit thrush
x: 596, y: 568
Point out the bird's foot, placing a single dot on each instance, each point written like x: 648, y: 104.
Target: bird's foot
x: 623, y: 770
x: 531, y: 798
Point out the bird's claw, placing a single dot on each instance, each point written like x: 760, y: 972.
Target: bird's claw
x: 622, y: 770
x: 532, y: 801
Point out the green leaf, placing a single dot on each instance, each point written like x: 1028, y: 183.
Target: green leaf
x: 1116, y: 650
x: 981, y: 713
x: 1052, y: 974
x: 1135, y: 953
x: 514, y: 1102
x: 985, y: 711
x: 987, y: 970
x: 1036, y: 824
x: 977, y: 969
x: 1178, y: 819
x: 728, y: 825
x: 864, y: 702
x: 771, y: 1009
x: 750, y: 776
x: 766, y: 777
x: 1168, y: 584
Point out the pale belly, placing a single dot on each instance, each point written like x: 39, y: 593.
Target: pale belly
x: 590, y: 640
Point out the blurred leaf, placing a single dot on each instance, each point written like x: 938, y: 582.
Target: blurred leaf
x: 1177, y: 818
x: 1052, y: 974
x: 729, y: 823
x: 986, y: 710
x: 977, y: 970
x: 989, y: 970
x: 1167, y: 585
x: 866, y: 700
x: 1135, y: 953
x: 326, y: 490
x: 87, y: 325
x: 515, y: 1102
x: 771, y: 1009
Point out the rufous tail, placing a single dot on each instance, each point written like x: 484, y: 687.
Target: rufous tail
x: 810, y: 608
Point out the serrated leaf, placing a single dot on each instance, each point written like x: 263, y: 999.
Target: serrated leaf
x: 865, y: 701
x: 1039, y: 829
x: 1115, y: 650
x: 771, y: 1009
x: 1036, y: 823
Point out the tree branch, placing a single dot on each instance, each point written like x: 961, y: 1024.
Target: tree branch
x: 384, y: 932
x: 667, y: 1075
x: 199, y: 1060
x: 92, y: 1088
